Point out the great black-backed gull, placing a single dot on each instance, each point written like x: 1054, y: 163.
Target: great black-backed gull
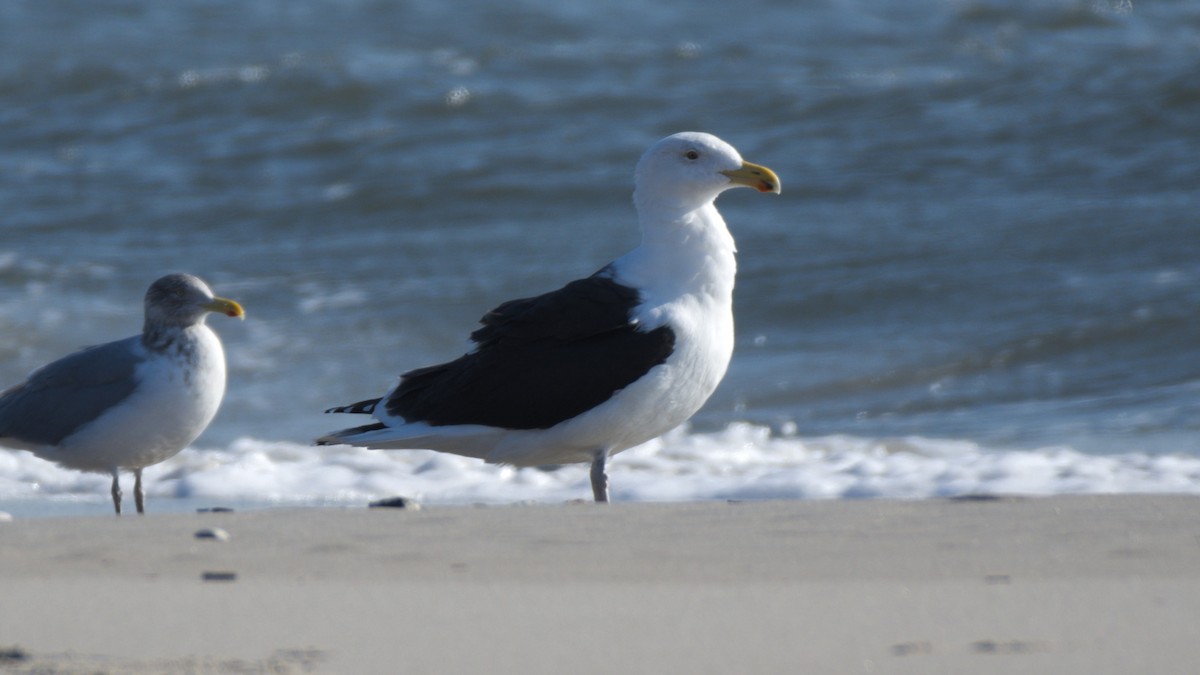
x: 131, y: 403
x: 604, y: 363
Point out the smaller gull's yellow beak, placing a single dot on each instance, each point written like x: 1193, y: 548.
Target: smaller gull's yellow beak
x: 227, y: 307
x: 758, y: 177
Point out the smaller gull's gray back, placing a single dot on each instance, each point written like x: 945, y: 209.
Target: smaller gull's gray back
x: 62, y: 396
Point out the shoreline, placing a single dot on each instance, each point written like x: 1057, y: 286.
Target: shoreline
x: 1044, y: 584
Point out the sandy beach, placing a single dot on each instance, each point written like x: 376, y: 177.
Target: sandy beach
x: 1107, y: 584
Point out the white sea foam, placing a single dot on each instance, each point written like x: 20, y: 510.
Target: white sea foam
x: 740, y: 462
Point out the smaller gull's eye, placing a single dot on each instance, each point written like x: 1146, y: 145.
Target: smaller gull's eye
x: 692, y: 154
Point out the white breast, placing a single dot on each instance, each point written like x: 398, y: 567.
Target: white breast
x: 171, y: 406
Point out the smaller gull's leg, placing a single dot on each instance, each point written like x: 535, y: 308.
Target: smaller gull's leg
x: 116, y: 492
x: 138, y: 496
x: 599, y: 478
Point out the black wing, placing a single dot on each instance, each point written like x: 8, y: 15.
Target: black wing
x: 539, y: 361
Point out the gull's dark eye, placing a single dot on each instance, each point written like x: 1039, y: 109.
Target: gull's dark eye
x: 692, y: 154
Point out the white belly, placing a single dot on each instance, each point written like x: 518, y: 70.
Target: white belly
x: 166, y: 412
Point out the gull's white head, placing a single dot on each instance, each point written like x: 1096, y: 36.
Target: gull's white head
x: 689, y: 169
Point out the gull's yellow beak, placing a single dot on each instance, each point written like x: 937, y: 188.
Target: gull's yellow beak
x: 227, y: 307
x: 758, y: 177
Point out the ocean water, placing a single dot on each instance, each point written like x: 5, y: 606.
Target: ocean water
x: 982, y: 275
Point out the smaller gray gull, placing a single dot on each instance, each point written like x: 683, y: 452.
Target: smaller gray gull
x: 604, y: 363
x: 127, y: 404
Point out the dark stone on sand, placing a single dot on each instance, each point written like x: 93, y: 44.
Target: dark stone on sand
x: 219, y: 576
x: 13, y: 654
x: 396, y: 503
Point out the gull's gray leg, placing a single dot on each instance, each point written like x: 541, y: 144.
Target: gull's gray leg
x: 139, y: 497
x: 599, y: 478
x: 116, y: 492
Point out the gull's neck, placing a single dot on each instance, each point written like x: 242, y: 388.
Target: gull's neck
x: 684, y: 251
x: 162, y: 337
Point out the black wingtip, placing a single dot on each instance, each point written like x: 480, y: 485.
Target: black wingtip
x: 338, y: 437
x: 361, y: 408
